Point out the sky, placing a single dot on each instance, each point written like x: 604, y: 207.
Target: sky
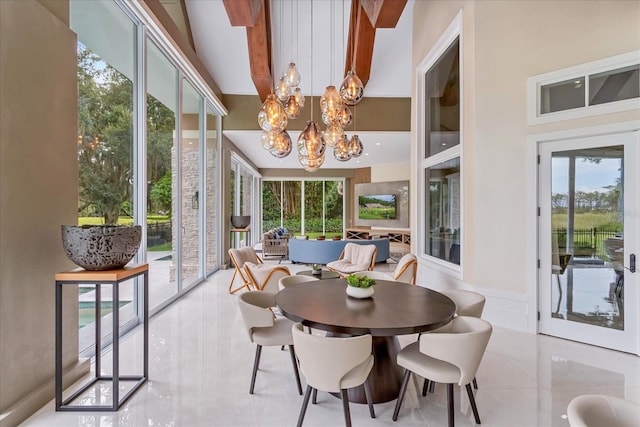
x: 590, y: 176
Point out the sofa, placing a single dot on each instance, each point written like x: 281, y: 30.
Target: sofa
x: 275, y: 242
x: 325, y: 251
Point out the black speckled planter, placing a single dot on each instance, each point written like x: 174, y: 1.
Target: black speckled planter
x: 101, y: 247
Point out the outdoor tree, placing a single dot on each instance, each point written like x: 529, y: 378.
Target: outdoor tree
x: 105, y: 141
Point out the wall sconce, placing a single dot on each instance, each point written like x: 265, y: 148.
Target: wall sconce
x: 195, y: 201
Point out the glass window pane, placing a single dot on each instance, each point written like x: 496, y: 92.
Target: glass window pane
x: 333, y: 208
x: 106, y: 113
x: 442, y: 103
x: 443, y: 210
x: 614, y: 85
x: 162, y: 99
x: 562, y: 96
x: 271, y: 205
x: 292, y: 206
x: 313, y: 203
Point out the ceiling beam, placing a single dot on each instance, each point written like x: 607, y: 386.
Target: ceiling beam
x: 362, y: 36
x: 242, y: 13
x: 383, y: 13
x: 256, y: 17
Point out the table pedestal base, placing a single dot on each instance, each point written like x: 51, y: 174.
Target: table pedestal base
x: 385, y: 377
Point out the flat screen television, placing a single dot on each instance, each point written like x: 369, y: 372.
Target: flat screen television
x: 377, y: 206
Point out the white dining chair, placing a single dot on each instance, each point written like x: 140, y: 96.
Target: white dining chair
x: 333, y: 364
x: 287, y: 281
x: 449, y: 355
x: 598, y: 410
x: 265, y: 329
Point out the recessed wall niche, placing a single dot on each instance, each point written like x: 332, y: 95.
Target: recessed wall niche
x: 393, y: 208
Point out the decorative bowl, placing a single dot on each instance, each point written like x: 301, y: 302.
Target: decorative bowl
x: 240, y: 221
x: 360, y: 293
x: 101, y: 247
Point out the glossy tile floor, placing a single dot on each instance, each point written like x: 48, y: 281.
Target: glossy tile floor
x: 201, y: 360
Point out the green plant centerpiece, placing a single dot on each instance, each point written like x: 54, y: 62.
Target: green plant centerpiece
x: 360, y: 286
x: 316, y: 269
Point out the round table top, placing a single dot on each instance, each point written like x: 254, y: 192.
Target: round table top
x: 395, y: 308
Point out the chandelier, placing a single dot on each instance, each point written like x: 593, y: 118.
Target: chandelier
x: 286, y: 102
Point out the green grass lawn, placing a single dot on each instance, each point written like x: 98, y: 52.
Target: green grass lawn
x: 588, y: 220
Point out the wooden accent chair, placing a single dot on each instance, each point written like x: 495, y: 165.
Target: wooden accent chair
x: 265, y: 277
x: 354, y: 258
x: 239, y: 257
x: 405, y: 272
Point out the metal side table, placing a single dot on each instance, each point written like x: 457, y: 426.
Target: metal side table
x: 98, y: 278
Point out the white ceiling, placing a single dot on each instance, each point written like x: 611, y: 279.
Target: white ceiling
x: 223, y: 50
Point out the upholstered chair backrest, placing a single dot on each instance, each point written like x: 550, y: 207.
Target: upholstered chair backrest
x: 462, y: 343
x: 332, y: 363
x: 254, y: 309
x: 406, y: 269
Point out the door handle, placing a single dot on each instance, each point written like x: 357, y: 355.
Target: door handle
x: 632, y: 263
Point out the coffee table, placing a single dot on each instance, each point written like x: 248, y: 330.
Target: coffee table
x: 326, y: 274
x: 395, y: 309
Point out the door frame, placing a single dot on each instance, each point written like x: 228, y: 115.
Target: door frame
x: 533, y: 143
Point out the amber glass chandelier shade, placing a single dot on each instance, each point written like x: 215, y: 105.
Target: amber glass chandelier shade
x: 282, y: 145
x: 268, y: 139
x: 341, y: 150
x: 311, y: 144
x: 355, y: 146
x: 282, y: 90
x: 344, y: 116
x: 299, y: 97
x: 272, y: 116
x: 292, y: 108
x: 351, y: 89
x: 291, y: 76
x: 333, y: 134
x: 311, y: 164
x: 330, y: 104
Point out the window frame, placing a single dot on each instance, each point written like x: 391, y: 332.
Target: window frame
x: 448, y: 37
x: 535, y: 84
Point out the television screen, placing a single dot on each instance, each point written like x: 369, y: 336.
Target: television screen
x: 377, y: 206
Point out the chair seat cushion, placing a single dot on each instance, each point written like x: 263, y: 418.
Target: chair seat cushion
x: 347, y: 267
x: 278, y: 334
x: 427, y: 367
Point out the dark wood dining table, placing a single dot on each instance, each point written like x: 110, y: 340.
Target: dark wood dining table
x: 395, y: 309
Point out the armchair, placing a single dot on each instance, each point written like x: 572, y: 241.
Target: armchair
x: 354, y: 258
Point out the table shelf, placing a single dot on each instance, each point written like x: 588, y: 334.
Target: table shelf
x: 97, y: 279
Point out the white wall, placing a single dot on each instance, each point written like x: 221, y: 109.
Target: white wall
x: 396, y: 172
x: 503, y: 44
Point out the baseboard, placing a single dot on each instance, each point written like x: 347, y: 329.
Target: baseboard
x: 42, y: 395
x: 506, y: 309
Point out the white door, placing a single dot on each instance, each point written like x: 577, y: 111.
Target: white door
x: 588, y: 240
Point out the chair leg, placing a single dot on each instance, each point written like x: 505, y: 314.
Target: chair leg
x: 305, y: 402
x: 472, y: 399
x: 367, y: 394
x: 292, y: 352
x: 450, y: 405
x: 475, y: 383
x: 314, y: 399
x: 256, y: 362
x: 425, y: 387
x: 345, y: 407
x: 432, y: 387
x: 403, y: 389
